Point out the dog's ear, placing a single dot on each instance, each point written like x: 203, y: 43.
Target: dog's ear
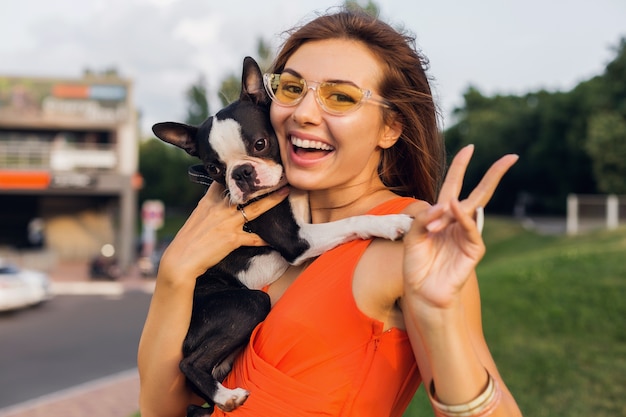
x: 252, y: 88
x: 178, y: 134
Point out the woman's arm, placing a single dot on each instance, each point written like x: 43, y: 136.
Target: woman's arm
x: 441, y: 302
x: 211, y: 232
x: 453, y: 354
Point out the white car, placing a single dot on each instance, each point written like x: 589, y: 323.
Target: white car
x: 22, y: 287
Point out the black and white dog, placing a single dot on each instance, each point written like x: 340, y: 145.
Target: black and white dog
x: 238, y: 148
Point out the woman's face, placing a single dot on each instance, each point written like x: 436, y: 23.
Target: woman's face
x: 322, y: 151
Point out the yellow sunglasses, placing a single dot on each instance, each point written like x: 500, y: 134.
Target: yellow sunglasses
x: 334, y: 97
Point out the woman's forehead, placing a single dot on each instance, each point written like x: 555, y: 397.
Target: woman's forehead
x: 335, y: 59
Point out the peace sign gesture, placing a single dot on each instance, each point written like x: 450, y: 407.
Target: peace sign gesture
x: 444, y: 244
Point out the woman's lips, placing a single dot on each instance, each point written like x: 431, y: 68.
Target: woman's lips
x: 307, y: 151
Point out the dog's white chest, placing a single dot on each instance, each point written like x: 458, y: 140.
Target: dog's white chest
x: 263, y: 270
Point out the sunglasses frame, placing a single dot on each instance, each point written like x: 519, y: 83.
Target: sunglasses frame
x: 366, y: 95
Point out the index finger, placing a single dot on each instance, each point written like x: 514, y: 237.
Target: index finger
x: 453, y: 182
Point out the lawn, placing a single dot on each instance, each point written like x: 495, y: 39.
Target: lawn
x: 554, y: 312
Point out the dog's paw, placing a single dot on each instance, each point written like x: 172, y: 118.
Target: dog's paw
x: 393, y: 226
x: 229, y: 399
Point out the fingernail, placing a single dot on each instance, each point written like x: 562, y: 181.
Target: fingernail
x: 434, y: 225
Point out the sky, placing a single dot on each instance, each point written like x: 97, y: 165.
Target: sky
x: 163, y: 46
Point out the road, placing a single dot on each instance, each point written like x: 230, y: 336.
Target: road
x: 70, y: 340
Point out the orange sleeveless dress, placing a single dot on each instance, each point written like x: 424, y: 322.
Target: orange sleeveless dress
x: 317, y: 354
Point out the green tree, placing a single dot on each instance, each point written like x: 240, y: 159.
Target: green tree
x: 496, y: 125
x: 231, y: 85
x: 370, y: 7
x: 265, y: 54
x: 615, y: 79
x: 197, y: 102
x: 606, y: 145
x: 560, y: 137
x: 230, y: 89
x: 164, y: 170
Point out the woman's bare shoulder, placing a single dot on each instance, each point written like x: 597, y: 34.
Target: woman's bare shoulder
x: 416, y: 206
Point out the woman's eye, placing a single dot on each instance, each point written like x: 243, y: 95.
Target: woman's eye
x: 295, y: 89
x: 342, y: 98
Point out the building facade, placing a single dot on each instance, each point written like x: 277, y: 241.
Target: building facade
x: 69, y: 166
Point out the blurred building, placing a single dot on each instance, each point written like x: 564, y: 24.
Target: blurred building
x: 68, y: 165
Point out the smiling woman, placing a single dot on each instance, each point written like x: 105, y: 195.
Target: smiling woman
x: 357, y: 330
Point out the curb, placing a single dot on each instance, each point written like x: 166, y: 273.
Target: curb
x: 112, y: 396
x: 113, y: 289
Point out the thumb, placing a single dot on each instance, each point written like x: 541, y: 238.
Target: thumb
x: 424, y: 217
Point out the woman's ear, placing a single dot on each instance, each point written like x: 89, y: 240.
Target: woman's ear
x: 391, y: 132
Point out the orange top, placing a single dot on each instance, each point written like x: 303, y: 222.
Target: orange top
x: 317, y: 354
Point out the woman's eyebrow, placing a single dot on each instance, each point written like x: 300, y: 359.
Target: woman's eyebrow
x: 334, y: 81
x: 292, y: 72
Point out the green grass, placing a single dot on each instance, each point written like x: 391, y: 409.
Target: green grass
x: 554, y: 312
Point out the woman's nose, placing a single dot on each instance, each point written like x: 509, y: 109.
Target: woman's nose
x: 308, y: 110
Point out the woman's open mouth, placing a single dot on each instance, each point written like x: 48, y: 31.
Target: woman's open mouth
x: 310, y: 149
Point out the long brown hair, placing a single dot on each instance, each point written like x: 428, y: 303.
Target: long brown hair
x: 414, y: 166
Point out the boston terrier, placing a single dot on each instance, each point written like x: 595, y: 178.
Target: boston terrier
x: 239, y: 149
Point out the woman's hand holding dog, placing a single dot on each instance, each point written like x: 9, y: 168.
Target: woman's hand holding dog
x: 212, y: 231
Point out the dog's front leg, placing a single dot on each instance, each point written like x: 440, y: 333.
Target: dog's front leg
x: 325, y: 236
x: 211, y: 389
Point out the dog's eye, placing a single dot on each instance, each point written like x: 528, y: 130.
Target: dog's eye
x: 260, y: 144
x: 214, y: 169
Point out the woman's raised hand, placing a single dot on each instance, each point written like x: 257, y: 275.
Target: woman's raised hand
x: 444, y: 245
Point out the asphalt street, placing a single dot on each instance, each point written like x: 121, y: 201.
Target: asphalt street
x: 69, y: 340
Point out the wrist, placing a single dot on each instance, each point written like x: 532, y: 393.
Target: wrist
x: 175, y: 277
x: 437, y: 317
x: 482, y: 405
x: 449, y: 346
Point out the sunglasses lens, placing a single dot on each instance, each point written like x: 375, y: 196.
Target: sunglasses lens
x: 340, y: 97
x: 286, y: 88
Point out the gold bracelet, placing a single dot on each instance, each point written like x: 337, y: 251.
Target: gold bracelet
x: 480, y: 406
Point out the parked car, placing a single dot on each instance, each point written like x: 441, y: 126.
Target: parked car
x: 22, y: 287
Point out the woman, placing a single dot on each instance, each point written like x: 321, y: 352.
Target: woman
x: 357, y: 330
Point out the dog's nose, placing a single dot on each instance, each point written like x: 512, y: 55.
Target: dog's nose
x: 245, y: 176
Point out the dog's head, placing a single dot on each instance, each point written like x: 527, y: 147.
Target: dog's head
x: 237, y: 146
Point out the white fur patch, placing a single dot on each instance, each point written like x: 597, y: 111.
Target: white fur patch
x: 263, y: 270
x: 225, y: 138
x: 229, y: 399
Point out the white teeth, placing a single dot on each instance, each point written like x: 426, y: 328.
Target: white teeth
x: 310, y: 144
